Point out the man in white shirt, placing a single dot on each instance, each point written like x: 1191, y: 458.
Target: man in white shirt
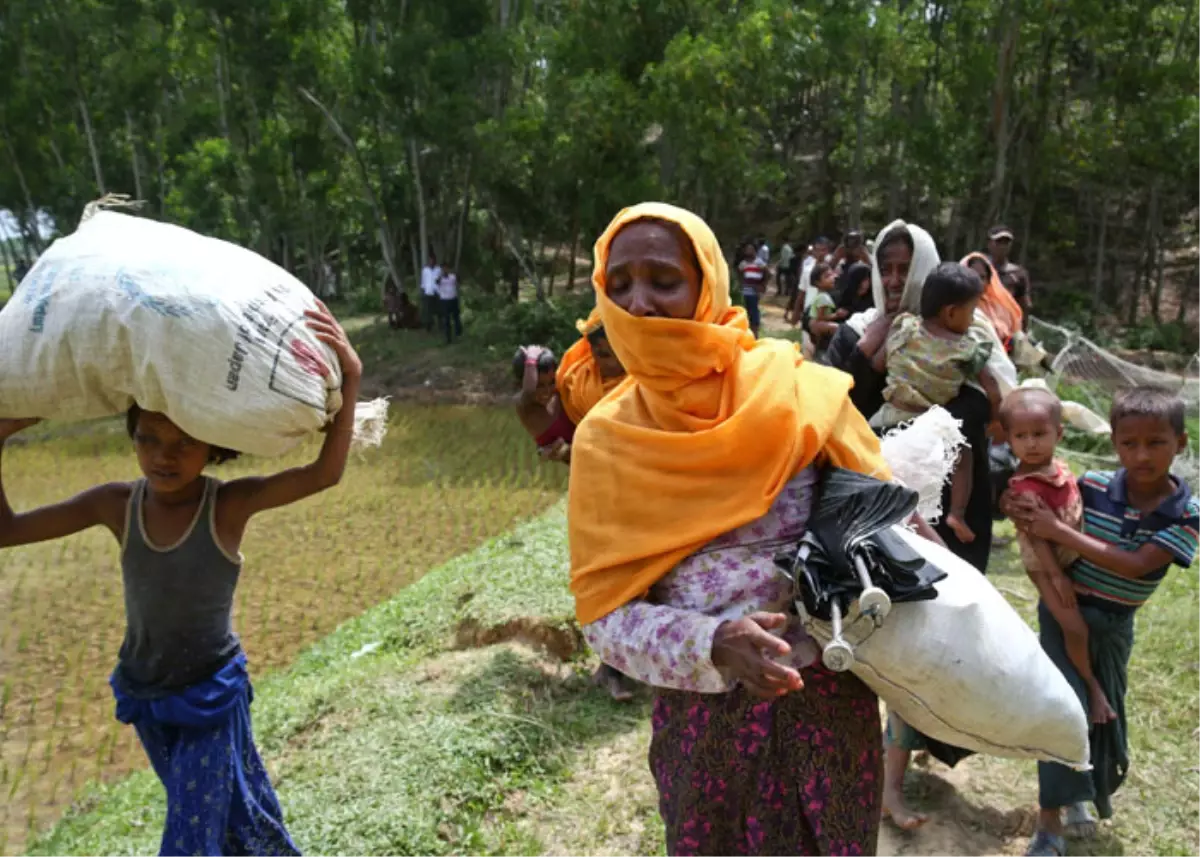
x: 447, y: 290
x: 430, y: 275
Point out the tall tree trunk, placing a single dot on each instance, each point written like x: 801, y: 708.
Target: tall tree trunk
x: 422, y: 226
x: 30, y: 208
x: 134, y: 160
x: 91, y: 139
x: 1098, y: 270
x: 383, y: 228
x: 1010, y: 24
x: 574, y: 242
x: 463, y: 213
x: 9, y: 264
x: 856, y: 185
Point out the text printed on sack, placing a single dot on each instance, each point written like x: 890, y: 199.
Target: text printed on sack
x: 258, y: 319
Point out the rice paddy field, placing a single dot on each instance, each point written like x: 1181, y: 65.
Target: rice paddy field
x: 445, y: 479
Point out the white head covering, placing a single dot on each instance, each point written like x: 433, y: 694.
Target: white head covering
x: 925, y: 259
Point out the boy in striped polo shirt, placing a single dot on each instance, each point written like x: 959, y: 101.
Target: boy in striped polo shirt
x: 1136, y: 523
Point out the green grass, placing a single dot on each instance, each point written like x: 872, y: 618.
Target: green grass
x: 415, y: 747
x: 425, y: 747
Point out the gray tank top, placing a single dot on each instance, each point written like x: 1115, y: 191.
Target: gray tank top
x: 178, y: 602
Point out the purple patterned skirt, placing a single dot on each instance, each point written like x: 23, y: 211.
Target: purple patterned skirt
x: 798, y: 775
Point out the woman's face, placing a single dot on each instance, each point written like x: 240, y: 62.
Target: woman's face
x: 894, y: 262
x: 651, y: 273
x: 980, y: 268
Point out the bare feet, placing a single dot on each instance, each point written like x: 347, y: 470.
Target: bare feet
x: 1098, y: 704
x: 960, y: 528
x: 897, y: 810
x: 1079, y: 823
x: 614, y: 681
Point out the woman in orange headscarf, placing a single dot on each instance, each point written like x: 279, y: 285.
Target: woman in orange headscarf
x: 555, y: 396
x: 684, y: 482
x: 997, y: 302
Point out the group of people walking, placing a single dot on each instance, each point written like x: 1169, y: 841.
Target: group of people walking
x: 701, y: 456
x: 695, y: 451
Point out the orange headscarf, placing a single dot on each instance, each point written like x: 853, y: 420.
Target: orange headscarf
x: 580, y: 385
x: 997, y: 302
x: 703, y: 435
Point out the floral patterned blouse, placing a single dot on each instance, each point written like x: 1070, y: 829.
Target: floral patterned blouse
x: 665, y: 640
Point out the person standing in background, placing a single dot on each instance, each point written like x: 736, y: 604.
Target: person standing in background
x: 430, y: 275
x: 783, y: 271
x: 451, y: 310
x: 1013, y: 277
x: 753, y: 273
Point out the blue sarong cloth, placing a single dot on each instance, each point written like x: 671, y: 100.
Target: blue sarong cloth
x: 1110, y: 643
x: 219, y: 796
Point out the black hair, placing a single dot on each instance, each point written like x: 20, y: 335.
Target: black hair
x: 1153, y: 402
x: 980, y: 260
x: 819, y: 270
x: 900, y: 233
x: 216, y: 454
x: 597, y: 335
x: 949, y: 284
x: 546, y: 362
x: 1027, y: 396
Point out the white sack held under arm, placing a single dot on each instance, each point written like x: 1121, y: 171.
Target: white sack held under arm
x: 128, y: 310
x: 966, y: 670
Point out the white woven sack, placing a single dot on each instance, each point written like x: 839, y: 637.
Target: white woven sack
x: 131, y: 310
x: 965, y: 669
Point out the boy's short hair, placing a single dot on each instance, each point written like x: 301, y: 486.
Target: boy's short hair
x: 1153, y: 402
x: 1026, y: 396
x: 216, y: 454
x: 949, y: 284
x: 547, y: 362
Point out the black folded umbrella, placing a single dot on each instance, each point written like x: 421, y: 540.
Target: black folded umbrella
x: 849, y: 538
x: 849, y: 545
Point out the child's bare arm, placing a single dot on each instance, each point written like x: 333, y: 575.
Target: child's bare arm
x: 1035, y: 517
x: 244, y: 498
x: 988, y: 381
x: 1050, y: 574
x: 534, y: 416
x: 104, y: 504
x: 879, y: 361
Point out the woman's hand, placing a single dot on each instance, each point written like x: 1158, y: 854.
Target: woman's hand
x: 875, y: 335
x: 745, y: 648
x: 10, y: 427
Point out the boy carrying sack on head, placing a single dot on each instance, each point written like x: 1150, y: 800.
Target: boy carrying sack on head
x: 1136, y: 523
x: 181, y: 678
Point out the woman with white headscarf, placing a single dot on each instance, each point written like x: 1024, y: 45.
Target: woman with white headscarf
x: 904, y: 256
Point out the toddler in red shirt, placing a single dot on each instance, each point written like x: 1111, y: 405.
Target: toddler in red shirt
x: 1032, y: 419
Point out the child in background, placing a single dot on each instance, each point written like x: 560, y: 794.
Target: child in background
x: 541, y: 409
x: 181, y: 677
x: 823, y: 314
x: 927, y: 361
x: 538, y: 407
x: 753, y: 273
x: 1032, y: 421
x: 1137, y: 522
